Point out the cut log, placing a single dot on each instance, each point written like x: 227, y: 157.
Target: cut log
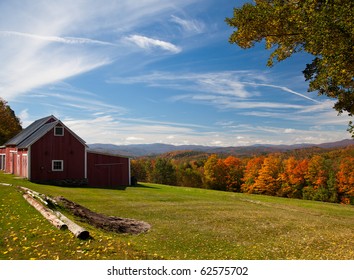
x: 77, y: 230
x: 46, y: 212
x: 42, y: 197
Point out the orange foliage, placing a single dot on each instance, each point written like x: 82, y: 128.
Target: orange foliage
x: 251, y: 173
x: 317, y: 175
x: 293, y: 177
x: 234, y: 168
x: 267, y: 181
x: 215, y: 173
x: 345, y: 180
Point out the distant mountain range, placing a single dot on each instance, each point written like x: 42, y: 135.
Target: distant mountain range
x: 138, y: 150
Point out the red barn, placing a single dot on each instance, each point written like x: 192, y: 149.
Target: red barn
x: 47, y: 151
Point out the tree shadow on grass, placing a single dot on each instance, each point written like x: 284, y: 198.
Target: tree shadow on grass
x: 83, y: 186
x: 145, y: 187
x: 119, y: 188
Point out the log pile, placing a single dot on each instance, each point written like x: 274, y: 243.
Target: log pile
x: 42, y: 203
x: 48, y: 208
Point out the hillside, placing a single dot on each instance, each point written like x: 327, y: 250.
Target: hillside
x: 138, y: 150
x: 186, y: 224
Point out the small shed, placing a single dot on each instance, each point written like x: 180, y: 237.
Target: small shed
x: 107, y: 169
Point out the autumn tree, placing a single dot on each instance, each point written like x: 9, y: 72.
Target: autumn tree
x: 9, y: 124
x: 234, y: 173
x: 164, y: 172
x: 215, y: 173
x: 267, y: 181
x: 293, y: 177
x: 189, y: 175
x: 319, y: 179
x: 345, y: 180
x: 322, y: 28
x: 251, y: 173
x: 139, y: 170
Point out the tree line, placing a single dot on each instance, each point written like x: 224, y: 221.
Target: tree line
x: 326, y: 176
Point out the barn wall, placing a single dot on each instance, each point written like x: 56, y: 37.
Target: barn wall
x: 14, y: 161
x: 3, y: 159
x: 50, y: 147
x: 107, y: 170
x: 9, y: 153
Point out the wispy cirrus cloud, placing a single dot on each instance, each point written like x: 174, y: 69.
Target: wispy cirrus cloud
x: 63, y: 99
x: 45, y: 43
x: 56, y: 39
x: 286, y: 89
x: 190, y: 26
x: 116, y: 130
x: 248, y: 94
x: 238, y: 84
x: 150, y: 43
x: 221, y: 83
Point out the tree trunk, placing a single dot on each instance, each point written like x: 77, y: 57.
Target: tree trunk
x: 78, y: 231
x: 47, y: 213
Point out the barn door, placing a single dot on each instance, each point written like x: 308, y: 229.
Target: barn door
x: 24, y: 166
x: 18, y: 165
x: 12, y: 163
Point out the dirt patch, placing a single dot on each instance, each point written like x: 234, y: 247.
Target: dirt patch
x: 109, y: 223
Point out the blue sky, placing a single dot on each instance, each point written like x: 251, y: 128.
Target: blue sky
x: 154, y: 71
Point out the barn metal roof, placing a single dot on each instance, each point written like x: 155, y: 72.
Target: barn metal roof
x: 28, y: 131
x: 35, y: 131
x: 37, y: 135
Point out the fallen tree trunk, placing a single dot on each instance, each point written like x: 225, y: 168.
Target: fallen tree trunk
x: 42, y: 197
x: 55, y: 217
x: 77, y: 230
x: 47, y: 213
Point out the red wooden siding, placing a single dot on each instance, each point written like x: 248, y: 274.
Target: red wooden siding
x: 107, y: 170
x: 50, y: 147
x: 14, y: 161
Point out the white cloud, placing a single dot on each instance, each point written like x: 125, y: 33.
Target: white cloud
x: 132, y: 138
x: 55, y: 39
x: 189, y: 26
x: 246, y: 93
x: 52, y: 41
x: 109, y: 129
x: 221, y: 83
x: 149, y: 43
x: 289, y: 130
x: 284, y: 89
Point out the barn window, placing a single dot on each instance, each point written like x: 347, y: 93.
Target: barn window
x: 57, y: 165
x: 59, y: 131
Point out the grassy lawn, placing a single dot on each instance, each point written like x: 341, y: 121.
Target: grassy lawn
x: 186, y: 224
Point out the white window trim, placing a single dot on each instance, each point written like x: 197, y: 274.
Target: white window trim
x: 62, y: 165
x: 55, y: 130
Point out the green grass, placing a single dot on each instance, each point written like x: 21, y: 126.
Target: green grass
x: 186, y: 224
